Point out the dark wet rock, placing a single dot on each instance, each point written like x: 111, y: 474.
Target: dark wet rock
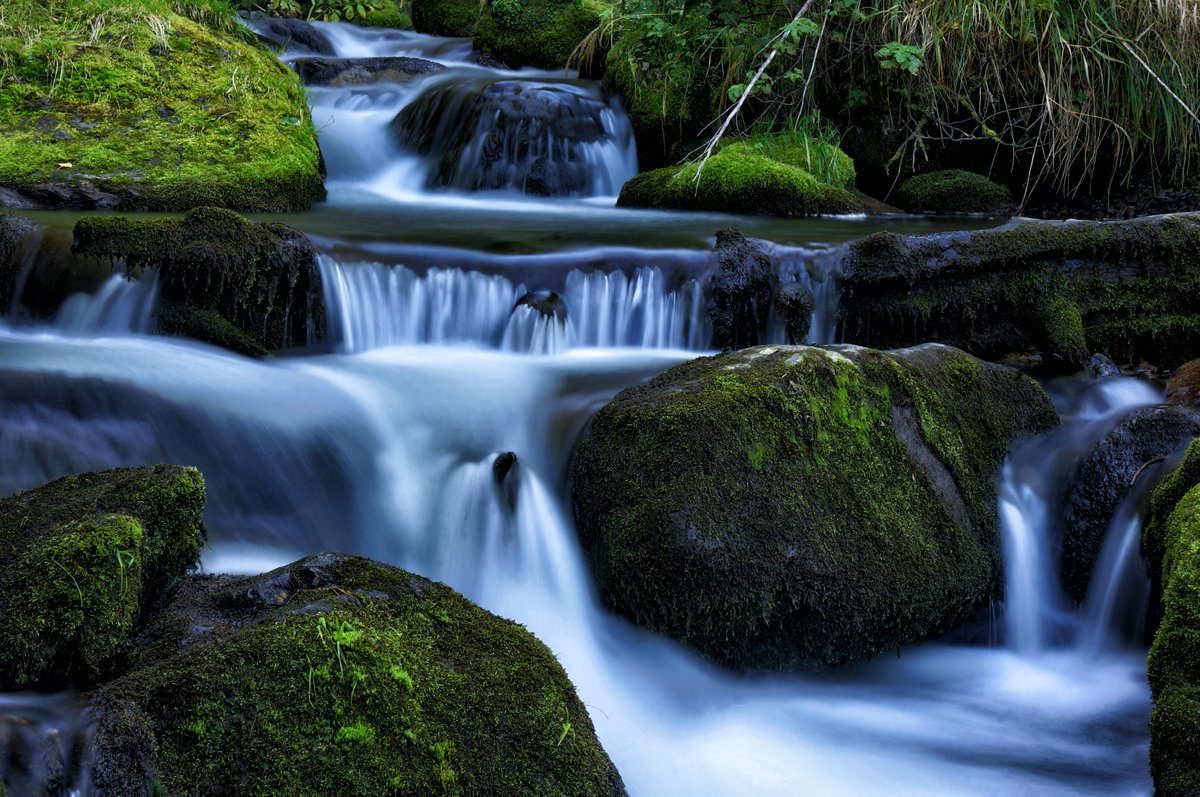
x: 546, y: 302
x: 252, y: 287
x: 404, y: 687
x: 66, y: 195
x: 1184, y: 385
x: 16, y: 232
x: 741, y: 291
x: 506, y: 472
x: 341, y: 72
x: 1105, y: 476
x: 532, y: 137
x: 952, y: 191
x: 1100, y: 367
x: 791, y: 507
x: 794, y: 305
x: 81, y: 558
x: 295, y: 34
x: 1126, y: 289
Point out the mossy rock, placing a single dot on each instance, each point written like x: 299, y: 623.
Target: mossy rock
x: 1172, y: 544
x: 796, y: 506
x: 261, y: 279
x: 819, y: 158
x: 445, y: 17
x: 143, y: 110
x: 740, y: 182
x: 80, y: 558
x: 15, y: 231
x: 336, y: 675
x: 1124, y: 288
x: 541, y: 33
x: 953, y: 192
x: 392, y: 14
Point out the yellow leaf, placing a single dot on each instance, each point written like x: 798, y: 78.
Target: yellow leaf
x: 65, y: 165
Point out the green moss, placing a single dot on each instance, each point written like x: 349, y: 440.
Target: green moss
x: 159, y: 110
x: 391, y: 15
x: 247, y: 286
x: 952, y: 191
x: 541, y: 33
x: 445, y: 17
x: 821, y: 159
x: 994, y: 292
x: 794, y: 506
x: 1172, y: 542
x: 666, y: 98
x: 79, y: 559
x: 735, y: 180
x: 301, y: 697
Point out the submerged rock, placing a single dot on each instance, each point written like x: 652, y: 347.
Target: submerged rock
x: 546, y: 302
x: 1126, y: 289
x: 506, y: 473
x: 541, y: 33
x: 294, y: 34
x: 1106, y: 475
x: 1172, y: 545
x: 741, y: 291
x: 81, y: 558
x: 794, y: 303
x: 335, y: 675
x: 341, y: 72
x: 15, y: 231
x: 789, y: 507
x: 249, y: 286
x: 735, y: 180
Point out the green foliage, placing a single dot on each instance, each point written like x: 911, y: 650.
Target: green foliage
x: 541, y: 33
x: 895, y: 55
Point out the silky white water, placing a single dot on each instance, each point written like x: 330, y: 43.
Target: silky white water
x: 397, y: 444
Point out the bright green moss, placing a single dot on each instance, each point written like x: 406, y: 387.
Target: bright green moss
x: 952, y: 191
x: 302, y: 697
x: 79, y: 559
x: 736, y: 180
x: 159, y: 110
x: 541, y: 33
x: 822, y: 159
x: 796, y: 506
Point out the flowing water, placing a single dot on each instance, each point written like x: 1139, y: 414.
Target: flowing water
x: 448, y: 350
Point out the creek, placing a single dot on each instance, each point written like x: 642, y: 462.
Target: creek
x: 382, y: 444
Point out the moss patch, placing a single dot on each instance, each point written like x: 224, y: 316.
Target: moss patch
x: 798, y: 506
x: 1172, y: 543
x: 819, y: 158
x: 541, y: 33
x: 337, y: 675
x: 248, y: 286
x: 445, y: 17
x: 952, y: 191
x: 736, y: 180
x: 1133, y: 285
x: 151, y: 108
x: 79, y: 559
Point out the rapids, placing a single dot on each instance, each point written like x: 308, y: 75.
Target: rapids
x: 383, y: 445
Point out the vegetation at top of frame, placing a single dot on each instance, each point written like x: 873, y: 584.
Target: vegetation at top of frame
x: 157, y: 104
x: 1071, y: 94
x: 370, y: 13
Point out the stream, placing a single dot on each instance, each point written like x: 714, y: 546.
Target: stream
x: 438, y: 223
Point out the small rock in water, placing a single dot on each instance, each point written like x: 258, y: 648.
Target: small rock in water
x: 794, y: 304
x: 1101, y: 367
x: 507, y: 473
x: 546, y: 302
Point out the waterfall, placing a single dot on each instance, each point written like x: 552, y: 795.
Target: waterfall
x: 1031, y: 485
x: 120, y: 305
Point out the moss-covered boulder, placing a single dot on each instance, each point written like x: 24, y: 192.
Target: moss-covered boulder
x: 541, y: 33
x: 128, y: 105
x: 80, y: 558
x: 15, y: 233
x: 819, y: 158
x: 1172, y: 544
x: 736, y: 180
x: 445, y: 17
x: 336, y: 675
x: 798, y: 506
x: 952, y: 191
x: 1128, y: 289
x: 251, y: 287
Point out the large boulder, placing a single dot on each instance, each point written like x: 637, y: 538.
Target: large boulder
x: 740, y: 181
x: 1172, y: 544
x: 1125, y: 288
x: 788, y: 507
x: 1106, y: 474
x: 251, y: 287
x: 335, y: 675
x: 155, y: 111
x: 541, y: 33
x: 80, y: 559
x: 952, y: 191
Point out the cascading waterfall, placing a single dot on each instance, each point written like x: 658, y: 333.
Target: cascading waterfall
x: 119, y: 305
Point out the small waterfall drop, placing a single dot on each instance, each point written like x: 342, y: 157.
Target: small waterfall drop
x: 120, y: 305
x: 1032, y: 481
